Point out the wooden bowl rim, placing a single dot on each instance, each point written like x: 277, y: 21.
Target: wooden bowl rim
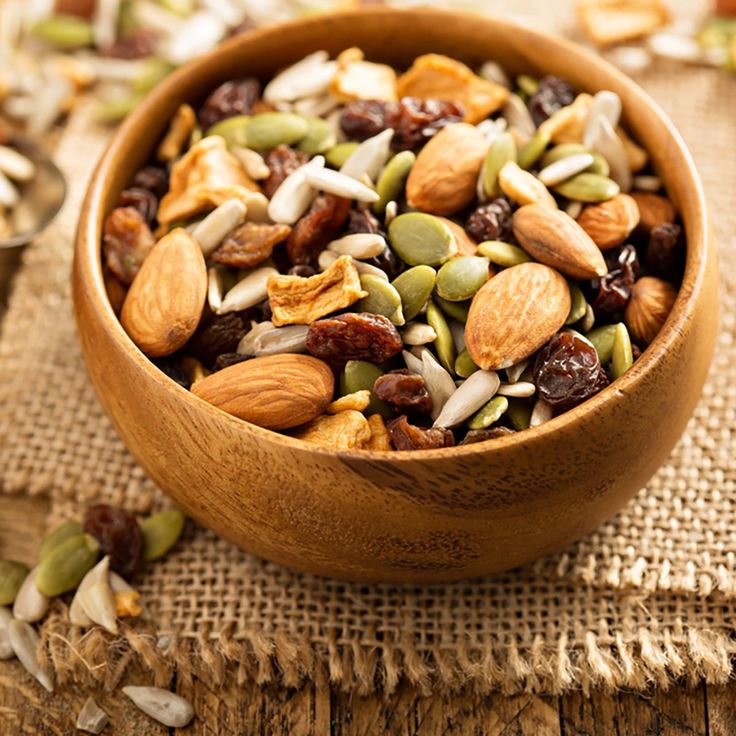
x: 88, y: 249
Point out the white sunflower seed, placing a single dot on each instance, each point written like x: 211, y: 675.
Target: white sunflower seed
x: 413, y: 363
x: 105, y: 22
x: 563, y: 169
x: 588, y: 320
x: 359, y: 245
x: 214, y: 288
x: 230, y: 13
x: 77, y: 613
x: 392, y: 209
x: 517, y: 115
x: 438, y: 381
x: 154, y: 16
x: 92, y: 718
x: 199, y: 33
x: 24, y: 640
x: 247, y: 346
x: 30, y: 605
x: 521, y: 389
x: 48, y: 104
x: 369, y: 157
x: 601, y: 137
x: 513, y: 373
x: 418, y: 333
x: 6, y: 649
x: 474, y: 392
x: 608, y: 104
x: 336, y: 183
x: 632, y: 59
x: 646, y: 183
x: 257, y: 205
x: 8, y: 193
x: 316, y: 106
x: 325, y: 259
x: 252, y: 162
x: 494, y: 72
x: 293, y: 197
x: 309, y: 76
x: 163, y: 706
x: 210, y: 232
x: 15, y: 165
x: 98, y: 603
x: 248, y: 292
x: 333, y: 120
x: 370, y: 269
x: 458, y: 334
x: 289, y: 339
x: 675, y: 47
x: 573, y: 208
x: 491, y: 129
x: 542, y: 412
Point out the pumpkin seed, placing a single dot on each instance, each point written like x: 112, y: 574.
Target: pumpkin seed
x: 65, y: 566
x: 360, y: 375
x: 12, y: 575
x: 30, y: 605
x: 532, y: 151
x: 64, y: 31
x: 421, y: 239
x: 461, y: 277
x: 527, y: 85
x: 383, y: 298
x: 469, y: 397
x: 24, y: 640
x: 565, y: 168
x: 578, y: 305
x: 418, y: 333
x: 588, y: 188
x: 319, y: 138
x: 503, y: 254
x: 444, y: 344
x: 160, y: 532
x: 456, y: 310
x: 391, y: 181
x: 163, y: 706
x: 91, y: 718
x: 270, y: 129
x: 602, y: 339
x: 415, y: 286
x: 519, y: 413
x: 6, y: 649
x: 501, y: 150
x: 490, y: 413
x: 464, y: 364
x: 110, y: 111
x: 152, y: 71
x: 233, y: 130
x: 542, y: 412
x: 340, y: 153
x: 565, y: 150
x: 622, y: 357
x: 519, y: 390
x: 59, y: 535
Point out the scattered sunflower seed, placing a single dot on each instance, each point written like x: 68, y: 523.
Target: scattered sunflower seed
x: 15, y: 165
x: 392, y: 209
x: 92, y: 718
x: 24, y: 640
x: 369, y: 157
x: 253, y: 164
x: 601, y: 137
x: 288, y: 339
x: 30, y: 605
x: 309, y: 76
x: 647, y: 183
x: 247, y: 345
x: 215, y: 287
x: 513, y: 373
x: 439, y: 382
x: 6, y: 650
x: 163, y: 706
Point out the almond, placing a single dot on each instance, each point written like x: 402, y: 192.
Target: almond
x: 164, y: 304
x: 554, y: 238
x: 649, y: 306
x: 514, y: 314
x: 653, y: 210
x: 273, y: 391
x: 444, y: 177
x: 610, y: 223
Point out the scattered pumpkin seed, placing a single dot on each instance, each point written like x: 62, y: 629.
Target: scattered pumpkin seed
x: 59, y: 535
x: 12, y: 575
x: 340, y: 153
x: 24, y: 640
x: 503, y: 254
x: 271, y: 129
x: 444, y: 344
x: 501, y: 150
x: 415, y: 286
x: 464, y: 364
x: 161, y: 532
x: 456, y: 310
x: 161, y: 705
x: 360, y: 375
x: 65, y: 566
x: 621, y: 356
x: 319, y: 138
x: 30, y: 605
x: 233, y: 130
x: 490, y: 413
x: 588, y: 188
x: 391, y: 181
x: 460, y: 277
x: 602, y: 340
x: 519, y: 412
x: 64, y: 31
x: 578, y: 305
x: 532, y: 151
x: 421, y: 239
x: 382, y: 298
x: 91, y: 718
x: 565, y: 150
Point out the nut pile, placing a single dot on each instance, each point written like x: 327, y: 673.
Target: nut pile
x: 365, y: 258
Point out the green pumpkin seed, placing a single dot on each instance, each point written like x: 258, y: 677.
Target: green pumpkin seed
x: 461, y: 277
x: 64, y: 566
x: 59, y: 535
x: 444, y: 344
x: 182, y: 8
x: 319, y: 138
x: 415, y: 286
x: 271, y: 129
x: 64, y: 31
x: 161, y: 532
x: 578, y: 305
x: 464, y: 365
x: 421, y: 239
x: 527, y: 85
x: 503, y: 254
x: 533, y: 150
x: 111, y: 111
x: 153, y: 70
x: 456, y: 310
x: 519, y: 412
x: 602, y: 339
x: 490, y: 413
x: 360, y: 375
x: 500, y: 152
x: 340, y: 153
x: 12, y: 575
x: 383, y: 298
x: 622, y: 357
x: 588, y: 188
x: 599, y: 165
x: 233, y: 130
x: 391, y: 181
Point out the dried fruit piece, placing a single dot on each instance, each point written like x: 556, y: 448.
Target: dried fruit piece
x: 142, y: 200
x: 65, y: 566
x: 126, y: 242
x: 154, y: 179
x: 282, y: 161
x: 219, y: 334
x: 347, y: 430
x: 357, y: 401
x: 165, y: 707
x: 235, y: 97
x: 180, y: 129
x: 651, y: 301
x: 354, y: 336
x: 119, y: 536
x: 405, y: 391
x: 552, y: 94
x: 614, y: 289
x: 610, y: 223
x: 568, y: 124
x: 607, y: 22
x: 654, y: 210
x: 250, y: 244
x: 161, y: 532
x: 380, y: 440
x: 405, y: 436
x: 317, y: 228
x: 664, y: 250
x: 12, y: 575
x: 357, y: 79
x: 483, y: 435
x: 490, y: 221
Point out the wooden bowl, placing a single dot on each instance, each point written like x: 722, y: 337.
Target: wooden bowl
x: 425, y: 516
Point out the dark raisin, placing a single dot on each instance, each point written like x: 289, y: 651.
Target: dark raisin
x: 405, y: 436
x: 250, y: 244
x: 553, y: 93
x: 404, y: 390
x: 119, y: 536
x: 144, y: 201
x: 363, y: 119
x: 481, y: 435
x: 282, y: 161
x: 354, y: 336
x: 664, y: 255
x: 266, y: 311
x: 171, y: 366
x: 303, y: 270
x: 490, y: 221
x: 126, y: 241
x: 567, y: 371
x: 362, y: 221
x: 321, y: 224
x: 388, y: 262
x: 226, y: 360
x: 154, y: 179
x: 229, y: 99
x: 136, y: 44
x: 613, y: 291
x: 217, y: 335
x: 635, y: 351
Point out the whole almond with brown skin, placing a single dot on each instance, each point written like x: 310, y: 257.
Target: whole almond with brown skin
x: 514, y: 314
x: 164, y: 303
x: 444, y: 177
x: 552, y: 237
x: 610, y: 223
x: 648, y: 308
x: 273, y: 391
x: 653, y: 210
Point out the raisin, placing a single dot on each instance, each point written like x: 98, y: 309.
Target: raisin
x: 354, y: 336
x: 405, y: 436
x: 136, y: 44
x: 388, y: 262
x: 302, y: 270
x: 282, y: 161
x: 153, y: 179
x: 319, y: 226
x: 144, y: 201
x: 481, y: 435
x: 363, y: 119
x: 567, y: 371
x: 490, y: 221
x: 226, y: 360
x: 553, y: 93
x: 362, y: 221
x: 235, y: 97
x: 126, y: 241
x: 664, y: 253
x: 250, y: 244
x: 635, y: 351
x: 612, y: 291
x: 220, y: 334
x: 266, y: 311
x: 119, y: 536
x: 403, y: 390
x: 171, y: 366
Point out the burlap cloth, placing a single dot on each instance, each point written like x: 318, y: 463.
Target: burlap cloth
x: 646, y: 599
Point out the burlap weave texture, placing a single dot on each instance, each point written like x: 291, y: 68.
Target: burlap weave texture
x: 647, y: 598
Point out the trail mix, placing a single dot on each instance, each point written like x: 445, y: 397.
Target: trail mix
x: 371, y: 259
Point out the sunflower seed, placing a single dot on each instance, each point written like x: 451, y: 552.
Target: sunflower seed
x: 521, y: 389
x: 163, y: 706
x: 601, y: 137
x: 491, y: 129
x: 647, y: 183
x: 6, y: 650
x: 458, y: 334
x: 632, y: 59
x: 199, y: 33
x: 573, y: 208
x: 309, y: 76
x: 92, y: 718
x: 209, y: 233
x: 292, y: 199
x: 289, y: 339
x: 542, y: 412
x: 438, y: 381
x: 15, y: 165
x: 517, y: 115
x: 256, y: 205
x: 588, y: 320
x: 98, y: 603
x: 24, y: 640
x: 675, y: 47
x: 392, y: 209
x: 413, y: 363
x: 316, y: 106
x: 77, y: 613
x: 605, y: 103
x: 336, y: 183
x: 418, y: 333
x: 359, y: 245
x: 253, y: 164
x: 105, y: 22
x: 513, y: 373
x: 214, y: 288
x: 325, y: 259
x: 8, y: 193
x: 247, y: 346
x: 369, y: 157
x: 563, y: 169
x: 30, y: 605
x: 474, y: 392
x: 494, y: 72
x: 252, y: 290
